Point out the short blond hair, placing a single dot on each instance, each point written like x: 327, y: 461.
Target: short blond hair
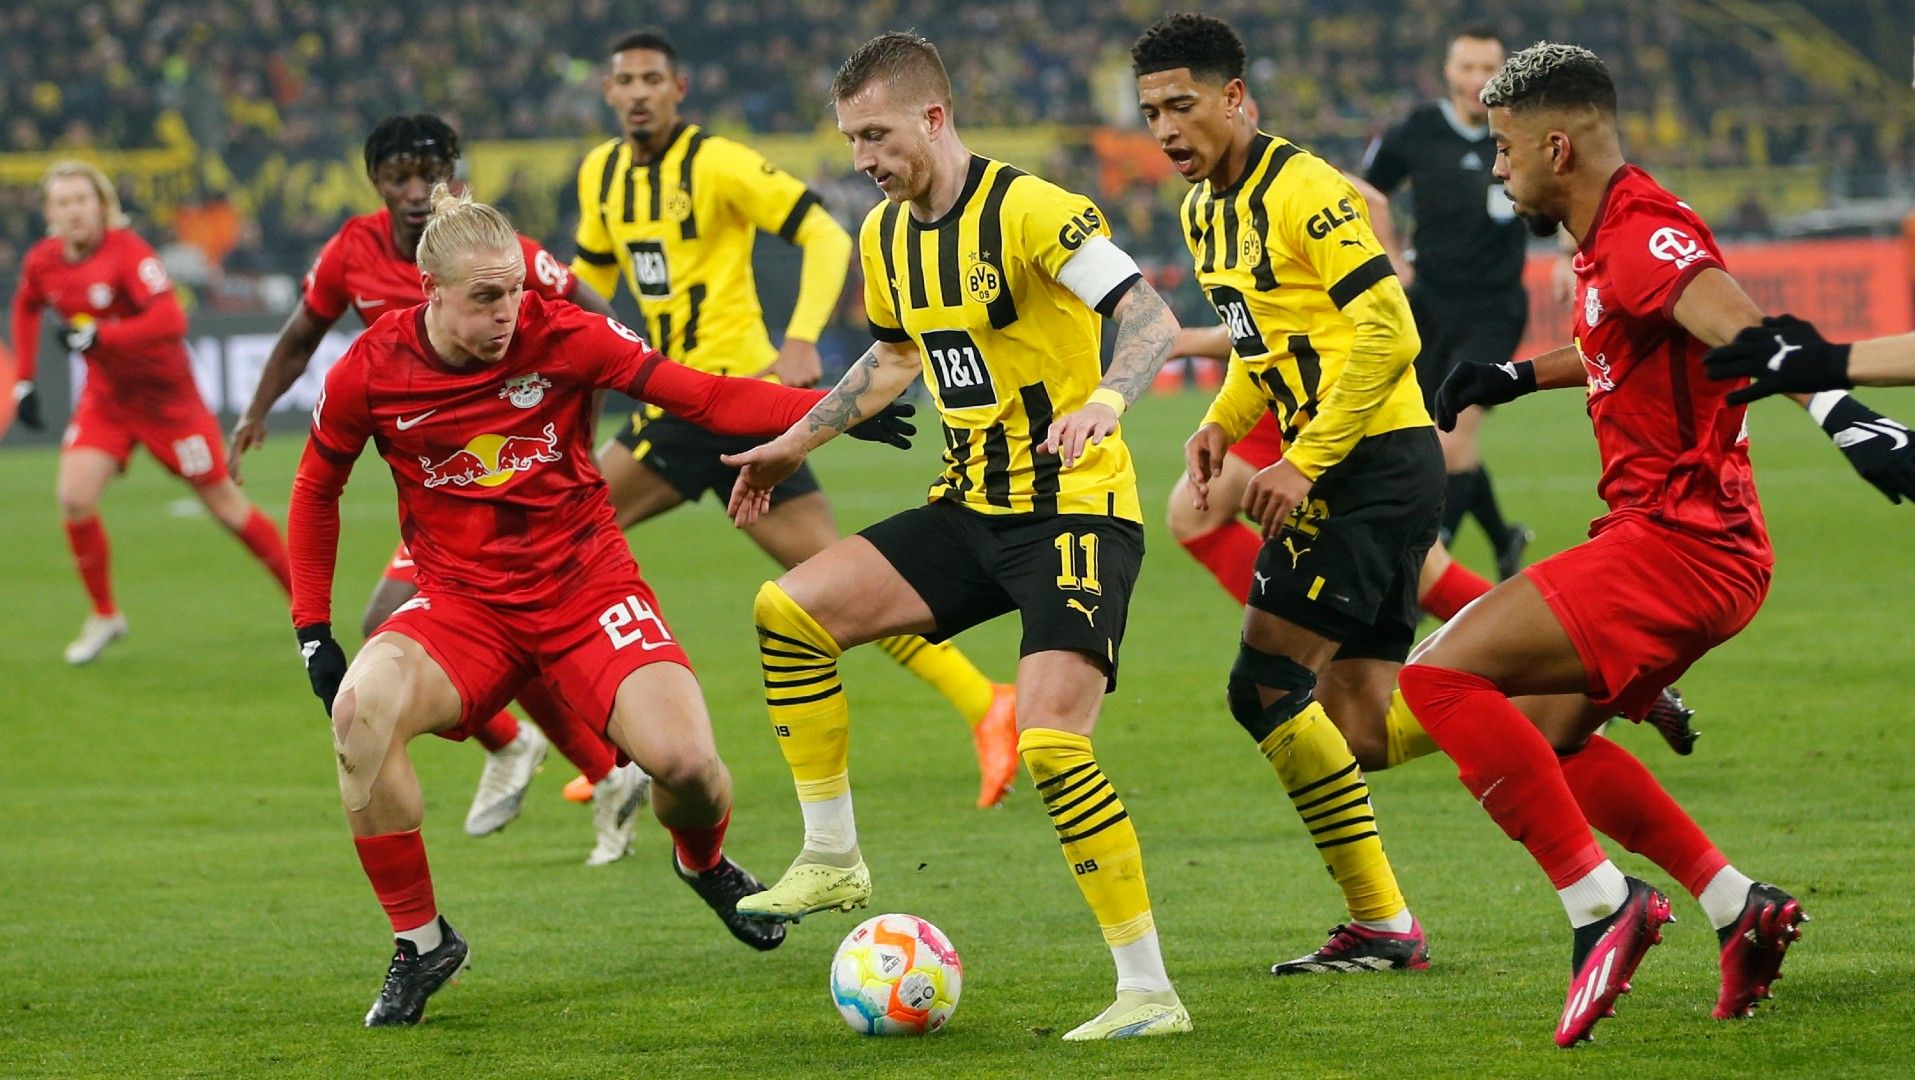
x: 109, y: 195
x: 458, y: 227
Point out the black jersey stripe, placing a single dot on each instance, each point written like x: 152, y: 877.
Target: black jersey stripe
x: 957, y: 456
x: 1044, y: 466
x: 990, y: 243
x: 950, y: 289
x: 696, y: 295
x: 997, y: 466
x: 1264, y: 272
x: 596, y: 258
x: 1358, y: 281
x: 657, y: 190
x: 664, y: 342
x: 1229, y: 245
x: 607, y: 173
x: 887, y: 234
x: 914, y: 268
x: 630, y: 171
x: 1207, y: 238
x: 688, y: 229
x: 788, y: 232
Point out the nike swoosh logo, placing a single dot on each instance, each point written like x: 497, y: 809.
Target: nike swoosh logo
x: 408, y: 425
x: 360, y: 301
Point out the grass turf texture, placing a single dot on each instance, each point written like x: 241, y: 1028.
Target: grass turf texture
x: 182, y: 898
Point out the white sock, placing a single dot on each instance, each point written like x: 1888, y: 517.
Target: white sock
x: 1399, y: 923
x: 830, y: 827
x: 1140, y: 965
x: 1723, y: 897
x: 1596, y: 895
x: 424, y: 938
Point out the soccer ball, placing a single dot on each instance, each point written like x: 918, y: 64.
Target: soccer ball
x: 896, y: 975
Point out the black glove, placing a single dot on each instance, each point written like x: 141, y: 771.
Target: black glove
x: 890, y: 426
x: 1481, y: 384
x: 325, y: 661
x: 26, y: 401
x: 79, y: 336
x: 1879, y: 448
x: 1784, y: 355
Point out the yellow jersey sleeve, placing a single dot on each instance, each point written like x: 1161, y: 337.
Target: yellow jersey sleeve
x: 595, y: 260
x: 880, y: 286
x: 1051, y: 224
x: 758, y: 191
x: 1327, y: 226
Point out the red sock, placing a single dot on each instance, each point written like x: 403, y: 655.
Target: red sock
x: 1453, y: 591
x: 581, y: 745
x: 1229, y: 552
x: 1503, y: 760
x: 1623, y: 800
x: 699, y: 847
x: 396, y: 865
x: 262, y: 538
x: 92, y: 556
x: 497, y: 733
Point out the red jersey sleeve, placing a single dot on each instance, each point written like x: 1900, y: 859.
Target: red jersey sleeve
x: 27, y: 304
x: 325, y: 285
x: 1654, y: 252
x: 618, y: 359
x: 341, y: 425
x: 143, y: 281
x: 544, y: 274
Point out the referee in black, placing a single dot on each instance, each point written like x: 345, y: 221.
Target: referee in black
x: 1467, y: 288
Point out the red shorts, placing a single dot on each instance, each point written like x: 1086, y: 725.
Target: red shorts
x: 400, y: 569
x: 188, y: 441
x: 1642, y: 602
x: 582, y: 646
x: 1263, y: 446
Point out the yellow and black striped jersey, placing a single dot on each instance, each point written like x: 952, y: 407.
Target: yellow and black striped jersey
x: 1281, y: 253
x: 680, y: 230
x: 1007, y: 343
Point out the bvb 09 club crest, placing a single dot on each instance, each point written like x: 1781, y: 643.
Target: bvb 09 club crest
x: 678, y: 204
x: 1252, y: 249
x: 982, y: 280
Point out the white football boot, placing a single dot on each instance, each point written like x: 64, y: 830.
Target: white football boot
x: 616, y: 801
x: 96, y: 634
x: 508, y: 773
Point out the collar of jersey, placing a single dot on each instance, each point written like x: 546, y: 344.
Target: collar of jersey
x: 1465, y: 131
x: 972, y: 179
x: 677, y: 134
x: 1259, y: 147
x: 1602, y: 207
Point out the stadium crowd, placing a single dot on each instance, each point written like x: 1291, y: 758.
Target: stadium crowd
x: 261, y: 90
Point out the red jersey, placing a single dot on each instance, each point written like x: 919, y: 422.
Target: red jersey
x: 361, y: 268
x: 499, y: 496
x: 1672, y: 449
x: 138, y: 363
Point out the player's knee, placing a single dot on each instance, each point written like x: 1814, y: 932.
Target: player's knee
x: 781, y: 617
x: 75, y: 506
x: 697, y: 777
x: 1256, y: 670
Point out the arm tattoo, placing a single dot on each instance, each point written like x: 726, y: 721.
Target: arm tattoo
x: 1146, y: 330
x: 839, y: 412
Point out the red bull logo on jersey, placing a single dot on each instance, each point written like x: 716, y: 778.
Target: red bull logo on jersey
x: 491, y: 460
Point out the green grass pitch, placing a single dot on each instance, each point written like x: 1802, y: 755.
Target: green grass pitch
x: 180, y: 897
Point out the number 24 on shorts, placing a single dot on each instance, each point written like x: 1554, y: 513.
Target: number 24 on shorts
x: 633, y: 621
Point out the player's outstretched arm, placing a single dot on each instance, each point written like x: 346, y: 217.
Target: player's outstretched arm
x: 1146, y: 331
x: 312, y: 548
x: 298, y: 340
x: 1497, y: 384
x: 1789, y: 355
x: 867, y: 390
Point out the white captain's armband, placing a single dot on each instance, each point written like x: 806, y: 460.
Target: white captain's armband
x: 1100, y: 274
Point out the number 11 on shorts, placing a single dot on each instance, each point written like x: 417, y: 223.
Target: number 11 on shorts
x: 634, y: 621
x: 1069, y: 576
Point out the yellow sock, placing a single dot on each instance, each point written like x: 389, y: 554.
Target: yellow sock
x: 1100, y: 844
x: 947, y: 669
x: 808, y: 710
x: 1329, y: 791
x: 1407, y: 739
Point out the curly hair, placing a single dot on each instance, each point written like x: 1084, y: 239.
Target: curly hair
x: 423, y: 135
x: 1550, y: 75
x: 1203, y: 43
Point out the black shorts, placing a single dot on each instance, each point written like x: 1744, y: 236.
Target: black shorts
x: 1069, y: 576
x: 1460, y: 327
x: 1346, y: 563
x: 686, y: 455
